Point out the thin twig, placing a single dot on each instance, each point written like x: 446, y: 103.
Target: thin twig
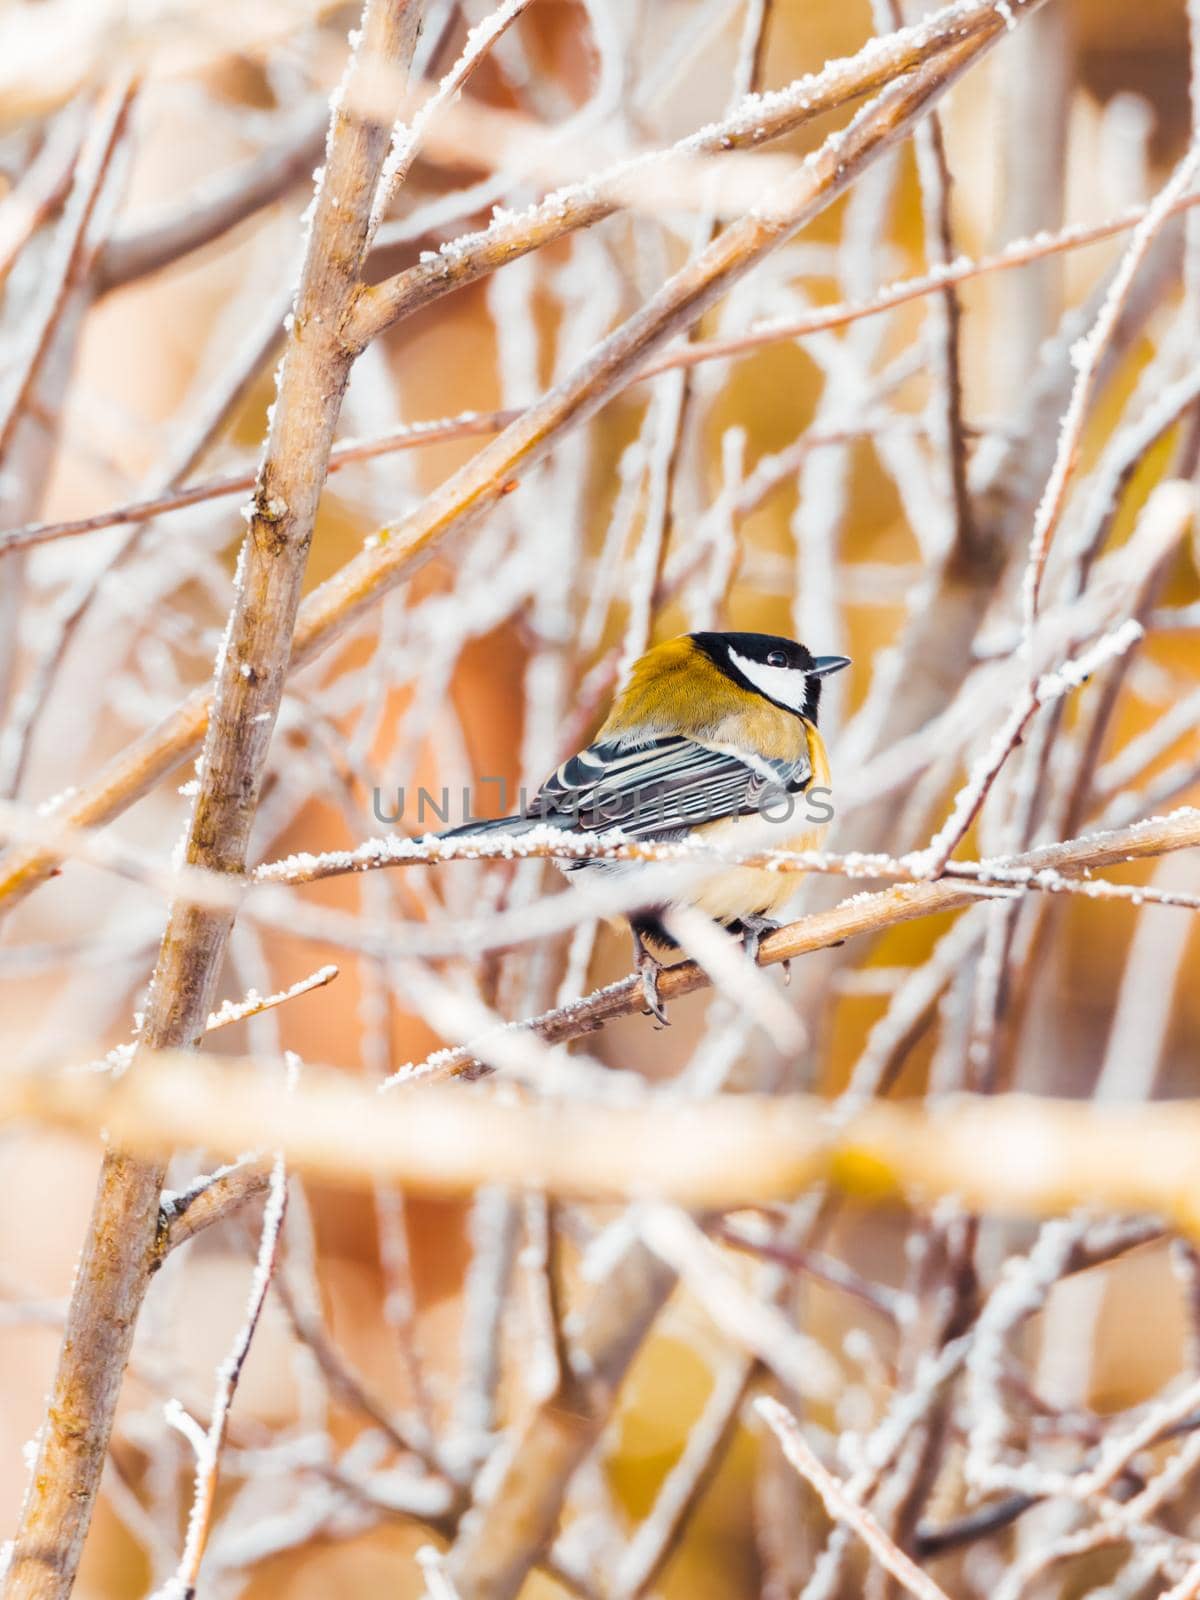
x: 409, y: 436
x: 254, y: 1004
x: 42, y: 188
x: 209, y: 1442
x: 1168, y: 513
x: 841, y: 1507
x: 821, y: 930
x: 799, y: 1362
x: 415, y: 435
x: 142, y: 247
x: 1087, y: 355
x: 104, y: 136
x: 209, y: 1201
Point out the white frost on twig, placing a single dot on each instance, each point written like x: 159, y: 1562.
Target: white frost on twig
x: 406, y: 137
x: 438, y: 1585
x: 841, y: 1506
x: 231, y: 1011
x: 1086, y: 356
x: 207, y: 1443
x: 1050, y: 686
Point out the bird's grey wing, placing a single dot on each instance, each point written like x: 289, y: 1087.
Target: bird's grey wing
x: 661, y: 789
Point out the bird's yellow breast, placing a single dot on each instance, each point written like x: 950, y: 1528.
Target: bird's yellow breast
x: 740, y: 891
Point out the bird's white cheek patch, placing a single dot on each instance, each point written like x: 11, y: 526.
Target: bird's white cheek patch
x: 786, y: 685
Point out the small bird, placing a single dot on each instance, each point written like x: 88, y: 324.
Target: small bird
x: 709, y: 731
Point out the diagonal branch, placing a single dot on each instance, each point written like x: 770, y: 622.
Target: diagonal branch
x: 214, y: 1198
x: 139, y: 249
x: 47, y: 345
x: 759, y: 120
x: 945, y: 335
x: 208, y: 1443
x: 71, y: 250
x: 842, y: 1506
x: 861, y: 914
x: 415, y: 435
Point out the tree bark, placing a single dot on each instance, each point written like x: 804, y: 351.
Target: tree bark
x: 125, y: 1239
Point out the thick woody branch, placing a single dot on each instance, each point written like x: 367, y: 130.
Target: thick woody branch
x: 124, y: 1241
x: 475, y: 488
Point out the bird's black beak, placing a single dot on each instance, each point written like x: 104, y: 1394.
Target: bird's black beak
x: 824, y: 665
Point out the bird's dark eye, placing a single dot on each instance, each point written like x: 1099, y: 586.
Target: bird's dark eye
x: 776, y: 658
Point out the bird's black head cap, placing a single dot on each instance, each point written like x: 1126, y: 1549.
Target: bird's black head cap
x: 781, y: 670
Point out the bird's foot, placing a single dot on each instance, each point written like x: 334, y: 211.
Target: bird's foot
x: 648, y: 968
x: 754, y: 929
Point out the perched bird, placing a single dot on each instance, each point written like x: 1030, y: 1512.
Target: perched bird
x: 712, y: 730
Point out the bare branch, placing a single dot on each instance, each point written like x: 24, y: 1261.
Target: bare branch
x: 211, y: 1200
x: 141, y: 248
x: 249, y: 684
x: 968, y: 23
x: 821, y: 930
x: 841, y: 1507
x: 1086, y: 357
x: 255, y: 1004
x: 209, y: 1442
x: 107, y: 129
x: 410, y: 436
x: 42, y: 189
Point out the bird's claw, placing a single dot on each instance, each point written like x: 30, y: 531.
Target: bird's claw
x: 648, y: 969
x: 753, y: 931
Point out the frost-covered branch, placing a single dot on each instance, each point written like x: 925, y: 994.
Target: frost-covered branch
x: 209, y: 1442
x: 249, y: 677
